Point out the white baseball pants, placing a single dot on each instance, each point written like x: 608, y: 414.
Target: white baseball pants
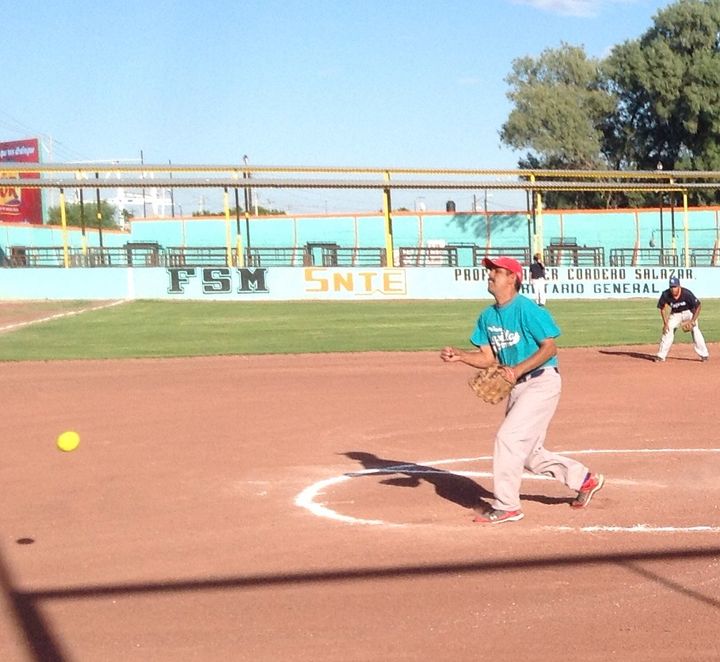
x: 539, y: 290
x: 674, y: 321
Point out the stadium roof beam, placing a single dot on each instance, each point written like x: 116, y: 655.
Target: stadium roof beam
x: 258, y: 183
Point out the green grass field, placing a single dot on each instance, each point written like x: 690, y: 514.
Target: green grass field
x: 170, y: 329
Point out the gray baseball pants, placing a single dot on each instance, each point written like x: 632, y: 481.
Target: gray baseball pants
x: 519, y: 443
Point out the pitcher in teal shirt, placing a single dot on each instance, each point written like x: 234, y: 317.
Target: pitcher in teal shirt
x: 520, y: 335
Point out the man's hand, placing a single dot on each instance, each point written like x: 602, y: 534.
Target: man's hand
x: 450, y: 354
x: 510, y: 373
x: 482, y: 357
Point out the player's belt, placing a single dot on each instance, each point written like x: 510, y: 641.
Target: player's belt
x: 534, y: 373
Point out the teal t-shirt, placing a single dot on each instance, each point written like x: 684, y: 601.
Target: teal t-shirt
x: 515, y: 330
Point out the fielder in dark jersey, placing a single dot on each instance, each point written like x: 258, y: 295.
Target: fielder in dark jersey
x: 677, y: 305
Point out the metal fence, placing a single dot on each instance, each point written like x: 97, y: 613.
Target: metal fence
x: 153, y: 255
x: 446, y: 256
x: 521, y: 254
x: 148, y: 254
x: 644, y: 257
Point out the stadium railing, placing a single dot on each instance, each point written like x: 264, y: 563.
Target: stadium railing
x: 570, y: 254
x: 705, y: 257
x: 153, y: 255
x: 427, y: 257
x: 644, y: 257
x: 339, y: 256
x: 187, y: 256
x: 519, y: 253
x: 277, y: 257
x: 54, y: 256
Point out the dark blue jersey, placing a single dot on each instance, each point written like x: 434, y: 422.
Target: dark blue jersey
x: 537, y: 269
x: 686, y: 301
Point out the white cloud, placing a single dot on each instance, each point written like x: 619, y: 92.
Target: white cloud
x: 585, y: 8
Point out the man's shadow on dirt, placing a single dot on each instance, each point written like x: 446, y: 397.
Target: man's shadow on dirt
x: 460, y: 490
x: 633, y: 355
x: 642, y: 356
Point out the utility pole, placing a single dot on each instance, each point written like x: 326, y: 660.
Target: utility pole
x: 172, y: 195
x: 246, y: 175
x: 99, y: 216
x: 142, y: 162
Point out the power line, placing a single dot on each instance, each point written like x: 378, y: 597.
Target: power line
x: 56, y: 147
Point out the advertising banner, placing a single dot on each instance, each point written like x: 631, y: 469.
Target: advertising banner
x: 215, y: 283
x: 18, y: 204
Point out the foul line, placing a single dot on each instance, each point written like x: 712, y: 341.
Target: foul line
x: 70, y: 313
x: 306, y: 498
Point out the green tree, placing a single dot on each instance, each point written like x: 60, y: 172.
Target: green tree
x: 269, y: 211
x: 667, y: 84
x: 261, y: 211
x: 560, y: 108
x: 89, y: 209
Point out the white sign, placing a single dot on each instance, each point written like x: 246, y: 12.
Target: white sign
x: 340, y: 284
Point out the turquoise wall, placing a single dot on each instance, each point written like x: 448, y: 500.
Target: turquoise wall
x: 612, y: 229
x: 12, y: 234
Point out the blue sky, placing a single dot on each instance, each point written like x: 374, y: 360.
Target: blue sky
x: 376, y: 83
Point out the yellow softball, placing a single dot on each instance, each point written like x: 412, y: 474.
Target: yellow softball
x: 68, y: 441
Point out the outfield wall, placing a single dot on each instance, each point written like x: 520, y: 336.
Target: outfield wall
x: 350, y: 284
x: 607, y: 228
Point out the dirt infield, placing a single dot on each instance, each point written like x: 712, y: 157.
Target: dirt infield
x: 319, y: 507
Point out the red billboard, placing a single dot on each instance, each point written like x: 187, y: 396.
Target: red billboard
x: 18, y: 204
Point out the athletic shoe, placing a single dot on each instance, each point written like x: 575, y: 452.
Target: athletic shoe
x: 704, y: 358
x: 658, y: 359
x: 592, y: 484
x: 499, y: 516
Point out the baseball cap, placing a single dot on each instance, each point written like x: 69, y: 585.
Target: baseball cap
x: 674, y: 282
x: 504, y: 263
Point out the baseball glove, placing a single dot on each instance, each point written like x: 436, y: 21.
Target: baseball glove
x: 687, y: 326
x: 491, y: 384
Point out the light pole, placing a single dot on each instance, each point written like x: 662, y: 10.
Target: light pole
x: 182, y: 223
x: 98, y: 213
x: 246, y: 175
x: 172, y: 194
x: 672, y: 216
